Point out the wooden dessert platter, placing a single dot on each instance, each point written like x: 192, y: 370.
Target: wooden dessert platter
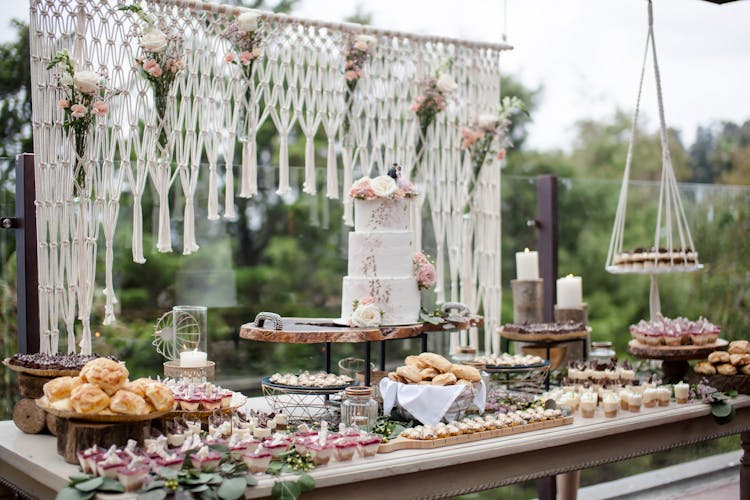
x: 425, y: 444
x: 36, y: 372
x: 544, y: 336
x: 238, y: 401
x: 321, y: 330
x: 675, y: 353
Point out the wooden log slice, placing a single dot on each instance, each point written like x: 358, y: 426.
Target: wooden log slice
x: 318, y: 331
x: 52, y: 424
x: 31, y: 386
x: 74, y: 436
x: 29, y: 417
x: 680, y: 352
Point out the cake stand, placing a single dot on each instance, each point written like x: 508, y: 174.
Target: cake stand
x: 675, y: 358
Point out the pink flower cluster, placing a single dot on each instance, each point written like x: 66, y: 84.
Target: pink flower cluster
x: 470, y: 136
x: 366, y: 301
x: 244, y: 57
x: 362, y: 190
x: 356, y: 57
x: 154, y: 69
x: 431, y: 101
x: 77, y: 110
x: 424, y: 271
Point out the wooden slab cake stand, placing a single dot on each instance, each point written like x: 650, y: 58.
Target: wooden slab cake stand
x: 675, y: 358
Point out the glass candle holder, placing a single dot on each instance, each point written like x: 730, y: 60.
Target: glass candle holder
x: 191, y: 338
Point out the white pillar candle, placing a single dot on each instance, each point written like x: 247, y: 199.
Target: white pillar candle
x: 570, y: 292
x: 193, y: 359
x: 527, y: 265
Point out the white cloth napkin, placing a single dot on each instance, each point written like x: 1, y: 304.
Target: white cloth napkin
x: 428, y: 403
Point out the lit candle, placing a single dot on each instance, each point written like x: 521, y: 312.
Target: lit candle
x: 527, y: 265
x: 570, y: 292
x: 193, y: 359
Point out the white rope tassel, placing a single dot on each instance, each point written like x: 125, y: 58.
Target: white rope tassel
x: 347, y: 160
x: 332, y: 176
x: 249, y: 177
x: 283, y: 164
x: 309, y: 185
x: 161, y: 178
x: 213, y: 192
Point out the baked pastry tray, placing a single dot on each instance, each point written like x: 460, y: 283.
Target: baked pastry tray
x: 40, y: 372
x: 98, y: 417
x: 401, y: 443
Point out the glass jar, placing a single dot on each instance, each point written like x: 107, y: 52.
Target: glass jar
x: 359, y: 408
x: 602, y: 351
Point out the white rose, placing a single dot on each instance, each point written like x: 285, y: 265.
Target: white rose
x: 383, y: 186
x: 248, y: 21
x: 66, y: 80
x: 487, y: 121
x: 154, y: 40
x: 445, y: 83
x: 368, y: 40
x: 366, y: 316
x: 85, y: 81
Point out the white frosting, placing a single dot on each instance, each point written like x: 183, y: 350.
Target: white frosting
x: 381, y: 254
x: 398, y: 298
x: 381, y: 215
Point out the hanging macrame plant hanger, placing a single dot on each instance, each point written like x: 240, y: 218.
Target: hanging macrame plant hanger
x: 673, y: 249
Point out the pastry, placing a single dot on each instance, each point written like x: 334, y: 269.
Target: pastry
x: 739, y: 347
x: 160, y: 396
x: 415, y: 362
x: 466, y: 372
x: 726, y: 369
x: 107, y: 374
x: 464, y: 382
x: 429, y: 373
x: 128, y: 403
x: 396, y: 377
x: 445, y: 379
x: 410, y: 373
x: 137, y: 386
x: 739, y: 359
x: 704, y: 368
x: 62, y: 405
x: 436, y: 361
x: 60, y: 387
x: 718, y: 357
x: 745, y: 369
x: 88, y: 399
x: 307, y: 379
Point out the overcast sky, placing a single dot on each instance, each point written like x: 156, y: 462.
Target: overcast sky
x: 586, y: 54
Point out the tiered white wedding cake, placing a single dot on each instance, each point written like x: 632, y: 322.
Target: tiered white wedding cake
x: 381, y: 253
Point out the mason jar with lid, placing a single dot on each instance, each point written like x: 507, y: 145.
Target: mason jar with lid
x: 359, y: 408
x: 602, y: 351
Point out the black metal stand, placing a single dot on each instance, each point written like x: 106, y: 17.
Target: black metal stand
x: 548, y: 344
x: 368, y: 370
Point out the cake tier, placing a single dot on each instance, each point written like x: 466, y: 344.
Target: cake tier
x: 398, y: 298
x: 381, y: 254
x: 381, y: 215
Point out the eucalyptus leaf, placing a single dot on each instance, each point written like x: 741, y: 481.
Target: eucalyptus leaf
x: 286, y: 490
x: 251, y: 480
x: 159, y: 494
x: 78, y: 478
x: 199, y: 488
x: 306, y: 483
x: 232, y: 488
x: 157, y: 483
x: 721, y: 410
x: 90, y: 485
x: 274, y: 468
x: 70, y: 493
x: 167, y: 473
x: 221, y: 448
x: 111, y: 486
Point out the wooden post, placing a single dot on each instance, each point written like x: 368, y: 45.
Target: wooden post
x: 546, y: 202
x: 745, y: 467
x: 27, y: 277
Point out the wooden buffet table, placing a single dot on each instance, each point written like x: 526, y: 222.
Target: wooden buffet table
x: 30, y: 464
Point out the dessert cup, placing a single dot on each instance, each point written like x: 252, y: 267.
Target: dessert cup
x: 257, y: 461
x: 664, y: 393
x: 344, y: 450
x: 132, y: 478
x: 321, y: 453
x: 681, y: 392
x: 368, y: 445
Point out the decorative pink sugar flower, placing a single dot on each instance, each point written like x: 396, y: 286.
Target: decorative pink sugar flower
x: 63, y: 103
x: 420, y: 259
x: 152, y: 67
x: 78, y: 110
x: 99, y: 108
x: 366, y: 301
x: 426, y: 276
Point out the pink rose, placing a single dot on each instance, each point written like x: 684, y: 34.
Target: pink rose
x: 229, y: 58
x: 152, y: 67
x: 366, y: 301
x: 350, y: 75
x: 426, y: 276
x: 501, y: 154
x: 420, y: 259
x: 245, y: 57
x: 360, y: 45
x: 99, y: 108
x: 63, y: 103
x: 78, y: 110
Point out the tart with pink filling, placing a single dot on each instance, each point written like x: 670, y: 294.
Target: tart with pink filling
x: 368, y: 445
x: 320, y: 453
x: 344, y: 449
x: 205, y: 459
x: 173, y: 461
x: 133, y: 478
x: 257, y: 461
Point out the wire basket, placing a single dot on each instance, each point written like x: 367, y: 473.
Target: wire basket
x: 303, y: 404
x: 523, y: 379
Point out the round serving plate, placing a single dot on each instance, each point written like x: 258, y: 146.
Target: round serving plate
x: 544, y: 336
x: 344, y: 322
x: 238, y: 401
x: 316, y: 390
x: 97, y: 417
x: 654, y: 270
x: 38, y: 372
x: 534, y: 366
x: 678, y: 352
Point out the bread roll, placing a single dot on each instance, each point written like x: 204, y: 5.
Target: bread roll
x: 128, y: 403
x: 704, y: 368
x: 88, y: 398
x: 109, y: 375
x: 745, y: 369
x: 718, y: 357
x: 739, y: 359
x: 726, y: 369
x: 429, y: 373
x: 60, y: 388
x: 464, y: 382
x: 739, y: 347
x: 436, y: 361
x: 137, y: 386
x: 415, y: 362
x: 444, y: 379
x: 410, y: 373
x: 62, y: 405
x: 160, y: 396
x: 466, y: 372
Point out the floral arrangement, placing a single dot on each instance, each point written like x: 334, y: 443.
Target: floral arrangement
x: 490, y: 130
x: 383, y: 186
x: 366, y: 313
x: 433, y: 99
x: 356, y: 56
x: 424, y: 270
x: 84, y: 97
x: 243, y: 34
x: 160, y: 63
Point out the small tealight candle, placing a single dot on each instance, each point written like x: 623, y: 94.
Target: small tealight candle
x: 570, y: 292
x: 193, y: 359
x: 527, y: 265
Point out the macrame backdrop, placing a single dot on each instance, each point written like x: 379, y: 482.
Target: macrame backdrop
x: 211, y: 108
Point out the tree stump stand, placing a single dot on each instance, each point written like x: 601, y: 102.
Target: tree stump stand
x: 26, y: 414
x: 74, y: 436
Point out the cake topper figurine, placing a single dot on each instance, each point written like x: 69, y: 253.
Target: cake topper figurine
x: 395, y: 172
